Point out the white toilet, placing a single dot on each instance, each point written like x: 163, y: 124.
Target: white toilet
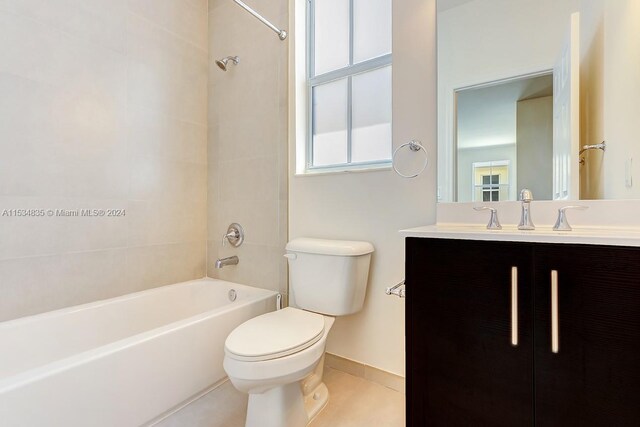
x: 278, y: 357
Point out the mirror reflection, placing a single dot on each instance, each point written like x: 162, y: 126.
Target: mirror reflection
x: 528, y: 91
x: 504, y: 137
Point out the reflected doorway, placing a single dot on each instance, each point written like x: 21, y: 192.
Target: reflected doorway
x: 504, y: 139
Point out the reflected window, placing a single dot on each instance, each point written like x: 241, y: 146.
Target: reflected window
x: 491, y: 181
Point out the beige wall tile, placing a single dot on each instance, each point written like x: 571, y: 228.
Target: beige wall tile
x: 246, y: 137
x: 43, y: 53
x: 167, y: 74
x: 104, y: 106
x: 258, y: 264
x: 25, y: 236
x: 251, y: 179
x: 247, y: 143
x: 259, y: 218
x: 154, y: 135
x: 37, y: 284
x: 151, y: 266
x: 153, y: 179
x: 96, y: 21
x: 187, y: 19
x: 164, y: 221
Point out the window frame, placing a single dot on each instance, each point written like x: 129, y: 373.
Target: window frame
x: 491, y: 187
x: 348, y: 72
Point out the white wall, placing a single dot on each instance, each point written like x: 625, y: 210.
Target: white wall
x: 621, y: 97
x: 373, y: 206
x: 103, y: 106
x: 487, y: 40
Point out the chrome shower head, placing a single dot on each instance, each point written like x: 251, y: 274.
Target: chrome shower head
x: 222, y: 63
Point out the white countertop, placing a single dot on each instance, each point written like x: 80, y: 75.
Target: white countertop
x: 583, y: 235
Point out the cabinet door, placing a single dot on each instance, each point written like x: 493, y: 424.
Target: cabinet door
x: 594, y: 378
x: 462, y: 369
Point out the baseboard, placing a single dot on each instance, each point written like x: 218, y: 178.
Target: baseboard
x: 358, y: 369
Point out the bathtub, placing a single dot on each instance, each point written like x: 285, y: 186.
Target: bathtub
x: 125, y: 361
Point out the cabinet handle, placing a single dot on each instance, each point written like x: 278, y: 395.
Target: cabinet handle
x: 514, y: 306
x: 555, y: 332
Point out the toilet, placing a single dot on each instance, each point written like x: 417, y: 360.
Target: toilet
x: 277, y: 358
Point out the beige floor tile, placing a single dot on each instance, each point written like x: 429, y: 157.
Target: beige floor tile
x: 223, y: 407
x: 353, y: 402
x: 356, y: 402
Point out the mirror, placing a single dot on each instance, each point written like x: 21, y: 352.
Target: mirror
x: 538, y: 94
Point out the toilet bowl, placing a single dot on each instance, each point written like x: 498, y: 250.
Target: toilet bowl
x: 283, y: 376
x: 277, y: 358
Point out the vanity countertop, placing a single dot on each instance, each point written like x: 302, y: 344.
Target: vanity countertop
x: 583, y: 235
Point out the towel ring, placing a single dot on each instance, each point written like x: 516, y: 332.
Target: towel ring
x: 414, y: 146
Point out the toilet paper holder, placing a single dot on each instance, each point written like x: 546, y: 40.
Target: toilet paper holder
x: 397, y: 290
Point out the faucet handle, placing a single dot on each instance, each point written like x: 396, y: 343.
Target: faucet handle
x: 561, y: 223
x: 493, y: 224
x: 234, y: 235
x: 229, y: 236
x: 526, y: 195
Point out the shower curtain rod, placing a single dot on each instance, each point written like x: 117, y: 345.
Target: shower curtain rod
x: 281, y: 33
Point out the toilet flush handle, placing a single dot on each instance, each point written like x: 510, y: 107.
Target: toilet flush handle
x: 291, y: 256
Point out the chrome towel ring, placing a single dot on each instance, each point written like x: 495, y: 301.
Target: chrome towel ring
x: 414, y: 146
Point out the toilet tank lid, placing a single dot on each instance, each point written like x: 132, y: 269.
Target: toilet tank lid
x: 329, y: 247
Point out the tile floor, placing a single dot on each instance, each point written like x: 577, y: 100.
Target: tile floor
x: 353, y: 402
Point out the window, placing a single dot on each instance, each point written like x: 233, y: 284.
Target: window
x: 490, y: 188
x: 349, y: 83
x: 491, y: 181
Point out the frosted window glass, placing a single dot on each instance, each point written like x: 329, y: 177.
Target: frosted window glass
x: 331, y: 35
x: 371, y: 135
x: 371, y: 29
x: 330, y: 123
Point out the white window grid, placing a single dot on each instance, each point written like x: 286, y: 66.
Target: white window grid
x: 347, y: 72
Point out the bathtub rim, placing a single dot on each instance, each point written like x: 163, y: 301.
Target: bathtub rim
x: 31, y: 318
x: 55, y: 367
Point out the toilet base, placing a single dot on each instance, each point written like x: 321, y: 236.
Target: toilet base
x: 316, y: 401
x: 286, y: 406
x: 316, y: 394
x: 279, y: 407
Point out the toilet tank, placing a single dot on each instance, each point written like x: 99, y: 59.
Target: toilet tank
x: 328, y: 276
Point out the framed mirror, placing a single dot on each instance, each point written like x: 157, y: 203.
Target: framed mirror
x: 538, y: 94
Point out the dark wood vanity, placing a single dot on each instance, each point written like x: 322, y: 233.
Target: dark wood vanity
x: 480, y: 354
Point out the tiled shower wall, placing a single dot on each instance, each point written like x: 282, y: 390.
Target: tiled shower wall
x: 103, y: 105
x: 248, y: 142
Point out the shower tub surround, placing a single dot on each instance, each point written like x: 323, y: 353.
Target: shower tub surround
x: 125, y: 361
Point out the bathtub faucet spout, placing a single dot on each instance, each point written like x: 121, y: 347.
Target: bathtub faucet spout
x: 232, y: 260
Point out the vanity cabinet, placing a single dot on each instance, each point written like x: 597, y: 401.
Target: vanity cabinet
x: 480, y: 350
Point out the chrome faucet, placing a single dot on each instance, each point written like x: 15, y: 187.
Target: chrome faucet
x: 525, y: 220
x: 232, y: 260
x: 561, y: 223
x: 493, y: 224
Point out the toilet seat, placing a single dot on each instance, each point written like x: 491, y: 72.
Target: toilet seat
x: 274, y: 335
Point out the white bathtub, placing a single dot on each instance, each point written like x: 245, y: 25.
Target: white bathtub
x: 123, y: 361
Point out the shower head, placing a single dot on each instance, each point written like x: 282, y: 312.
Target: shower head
x: 222, y: 63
